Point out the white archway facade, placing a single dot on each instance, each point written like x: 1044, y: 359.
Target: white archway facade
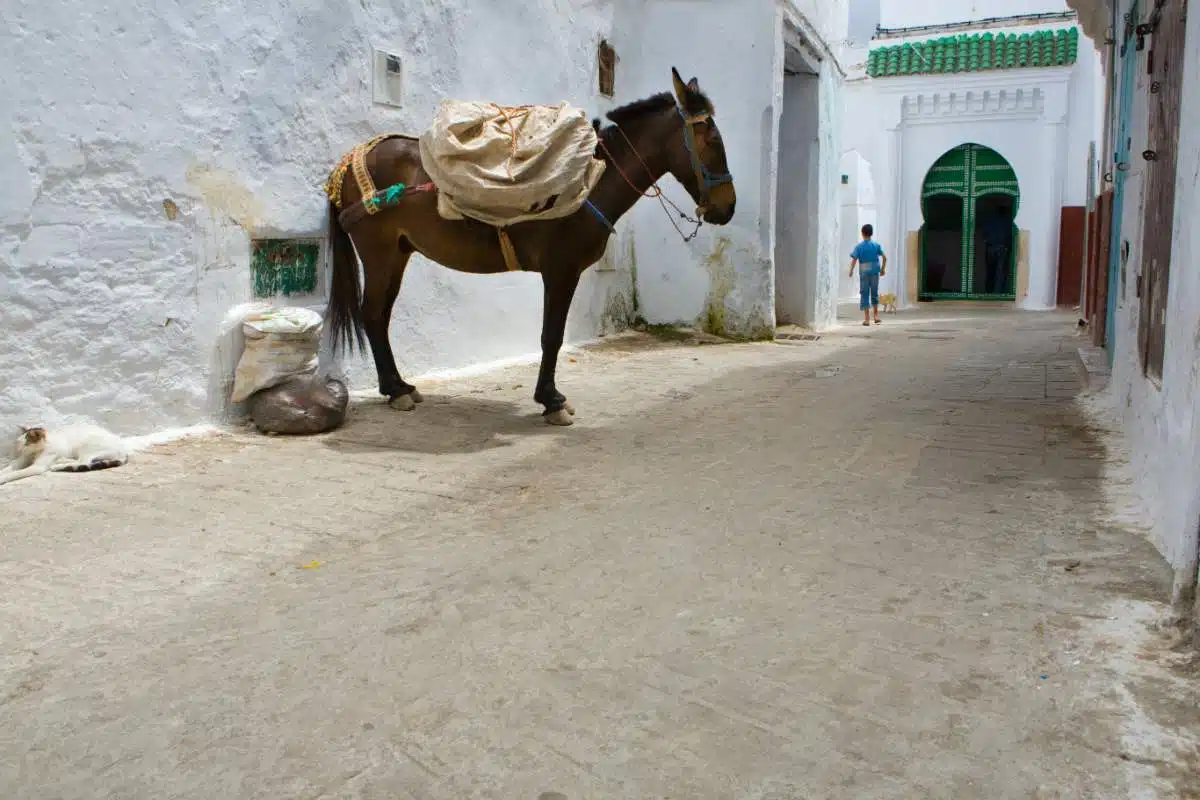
x: 1022, y: 115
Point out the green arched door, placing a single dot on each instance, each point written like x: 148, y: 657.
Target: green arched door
x: 968, y: 239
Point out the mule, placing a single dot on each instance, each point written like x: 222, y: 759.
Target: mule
x: 666, y: 133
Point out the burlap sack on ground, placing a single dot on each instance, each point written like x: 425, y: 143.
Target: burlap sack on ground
x: 300, y: 406
x: 280, y: 343
x: 502, y: 165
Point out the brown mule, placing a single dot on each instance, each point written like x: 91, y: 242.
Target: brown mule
x: 647, y: 139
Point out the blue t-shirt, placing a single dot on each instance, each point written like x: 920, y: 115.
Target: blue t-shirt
x: 867, y: 253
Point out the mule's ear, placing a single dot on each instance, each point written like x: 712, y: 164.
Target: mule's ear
x: 26, y: 428
x: 693, y: 85
x: 681, y: 91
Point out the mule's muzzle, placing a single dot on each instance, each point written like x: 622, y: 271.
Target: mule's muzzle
x: 716, y: 215
x: 719, y: 205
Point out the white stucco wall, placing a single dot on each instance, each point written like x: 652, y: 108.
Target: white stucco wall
x: 857, y: 209
x: 865, y: 144
x: 1160, y: 422
x: 724, y: 280
x: 829, y: 259
x: 236, y: 113
x: 1084, y: 121
x: 797, y: 210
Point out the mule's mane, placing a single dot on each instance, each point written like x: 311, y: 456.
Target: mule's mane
x: 696, y: 103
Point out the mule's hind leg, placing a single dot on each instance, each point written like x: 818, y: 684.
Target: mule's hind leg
x: 381, y: 287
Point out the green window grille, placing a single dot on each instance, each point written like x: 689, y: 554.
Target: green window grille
x: 285, y: 267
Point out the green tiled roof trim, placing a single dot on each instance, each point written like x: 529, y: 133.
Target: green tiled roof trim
x: 976, y: 52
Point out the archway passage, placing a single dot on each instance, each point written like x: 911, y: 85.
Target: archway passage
x: 968, y: 239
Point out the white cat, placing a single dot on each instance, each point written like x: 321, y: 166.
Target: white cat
x: 72, y: 448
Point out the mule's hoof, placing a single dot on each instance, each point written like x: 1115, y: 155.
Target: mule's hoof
x: 416, y: 396
x: 570, y: 409
x: 560, y: 418
x: 403, y: 402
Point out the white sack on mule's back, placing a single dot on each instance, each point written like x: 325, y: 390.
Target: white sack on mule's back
x: 503, y: 165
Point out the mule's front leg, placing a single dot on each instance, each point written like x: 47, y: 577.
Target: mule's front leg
x: 559, y: 289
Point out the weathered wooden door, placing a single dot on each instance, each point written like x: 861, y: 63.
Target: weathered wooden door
x: 1168, y: 26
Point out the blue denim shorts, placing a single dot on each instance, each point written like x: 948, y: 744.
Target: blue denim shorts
x: 868, y: 290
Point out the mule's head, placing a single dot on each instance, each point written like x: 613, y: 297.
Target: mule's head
x: 699, y: 163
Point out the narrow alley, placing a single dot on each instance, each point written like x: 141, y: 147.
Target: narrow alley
x: 874, y: 565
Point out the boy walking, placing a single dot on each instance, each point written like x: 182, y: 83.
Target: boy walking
x: 869, y: 256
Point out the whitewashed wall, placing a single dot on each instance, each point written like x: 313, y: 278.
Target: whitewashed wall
x: 798, y: 219
x: 724, y: 280
x: 1161, y: 423
x: 858, y: 209
x: 236, y: 112
x: 865, y: 137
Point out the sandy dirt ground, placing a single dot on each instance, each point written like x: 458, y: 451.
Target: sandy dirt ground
x: 874, y: 565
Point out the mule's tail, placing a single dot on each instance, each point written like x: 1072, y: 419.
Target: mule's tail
x: 344, y: 314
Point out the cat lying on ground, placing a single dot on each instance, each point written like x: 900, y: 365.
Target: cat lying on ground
x: 72, y: 448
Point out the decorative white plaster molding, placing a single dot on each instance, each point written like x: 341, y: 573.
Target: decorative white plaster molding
x: 1034, y: 77
x: 939, y: 106
x: 1000, y: 95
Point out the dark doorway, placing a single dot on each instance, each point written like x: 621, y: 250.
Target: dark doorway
x: 969, y: 240
x: 942, y: 242
x: 993, y: 273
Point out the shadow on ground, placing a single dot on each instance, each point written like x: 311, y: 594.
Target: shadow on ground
x: 441, y: 425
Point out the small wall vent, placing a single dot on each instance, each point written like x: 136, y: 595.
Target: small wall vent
x: 387, y: 78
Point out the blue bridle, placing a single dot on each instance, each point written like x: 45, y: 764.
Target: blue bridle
x: 708, y: 179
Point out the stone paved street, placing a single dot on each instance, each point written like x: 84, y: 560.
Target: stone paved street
x: 870, y: 566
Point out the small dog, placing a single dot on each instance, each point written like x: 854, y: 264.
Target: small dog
x: 888, y: 301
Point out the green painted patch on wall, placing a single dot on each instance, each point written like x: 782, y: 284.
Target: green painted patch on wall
x: 284, y: 267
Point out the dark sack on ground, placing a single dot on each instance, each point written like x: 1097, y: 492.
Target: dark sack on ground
x: 304, y: 404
